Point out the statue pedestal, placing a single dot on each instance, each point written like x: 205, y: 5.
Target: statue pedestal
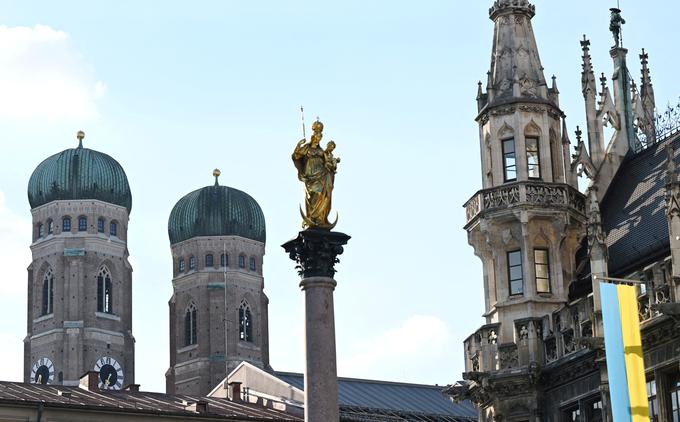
x: 316, y: 252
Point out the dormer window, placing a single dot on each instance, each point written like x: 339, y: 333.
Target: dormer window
x: 509, y: 161
x: 533, y: 159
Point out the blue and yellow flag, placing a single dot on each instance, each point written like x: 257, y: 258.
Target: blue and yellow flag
x: 623, y: 347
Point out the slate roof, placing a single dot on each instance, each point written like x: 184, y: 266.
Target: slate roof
x: 16, y: 393
x: 371, y: 400
x: 633, y: 211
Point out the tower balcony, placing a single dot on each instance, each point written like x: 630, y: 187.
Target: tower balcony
x: 534, y: 194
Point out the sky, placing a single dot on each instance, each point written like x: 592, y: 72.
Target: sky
x: 175, y: 89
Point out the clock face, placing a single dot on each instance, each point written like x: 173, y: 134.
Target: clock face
x: 110, y: 373
x: 42, y: 372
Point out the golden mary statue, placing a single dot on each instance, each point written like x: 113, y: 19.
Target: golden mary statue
x: 316, y: 169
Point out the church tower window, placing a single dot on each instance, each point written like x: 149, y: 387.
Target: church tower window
x: 509, y: 161
x: 241, y: 261
x: 104, y: 291
x: 100, y: 225
x: 245, y: 322
x: 181, y: 265
x: 50, y: 227
x: 224, y: 260
x: 515, y: 276
x: 209, y: 261
x: 113, y: 229
x: 48, y: 293
x: 542, y: 267
x: 190, y: 325
x: 533, y: 159
x: 252, y: 264
x: 82, y: 224
x: 192, y: 263
x: 66, y: 224
x: 41, y: 230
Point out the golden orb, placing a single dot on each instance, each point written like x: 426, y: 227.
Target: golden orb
x: 216, y: 172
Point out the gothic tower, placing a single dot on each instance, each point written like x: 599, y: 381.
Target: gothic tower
x: 218, y: 310
x: 80, y: 280
x: 527, y: 221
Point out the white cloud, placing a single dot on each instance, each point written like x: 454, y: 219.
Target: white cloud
x: 15, y: 255
x: 43, y: 75
x: 418, y: 339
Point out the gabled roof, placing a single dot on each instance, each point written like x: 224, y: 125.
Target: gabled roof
x: 634, y: 212
x: 164, y: 405
x: 372, y: 400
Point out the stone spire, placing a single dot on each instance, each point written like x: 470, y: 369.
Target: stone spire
x: 647, y: 98
x: 587, y: 75
x: 516, y: 69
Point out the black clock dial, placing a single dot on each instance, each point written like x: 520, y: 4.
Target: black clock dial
x: 108, y: 375
x: 42, y: 375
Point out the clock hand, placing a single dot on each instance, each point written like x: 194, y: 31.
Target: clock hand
x: 39, y: 379
x: 107, y: 380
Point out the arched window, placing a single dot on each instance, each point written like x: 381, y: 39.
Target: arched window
x: 181, y: 265
x: 209, y: 261
x: 224, y: 260
x: 48, y: 293
x: 66, y: 224
x: 104, y: 291
x: 241, y: 261
x: 190, y: 325
x: 533, y: 158
x: 82, y: 224
x: 50, y: 227
x: 100, y: 225
x: 41, y: 230
x: 113, y: 229
x: 252, y: 264
x: 192, y: 263
x: 245, y: 326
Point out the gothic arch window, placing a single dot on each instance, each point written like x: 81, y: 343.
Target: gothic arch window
x: 100, y: 225
x: 190, y: 325
x: 245, y: 326
x: 192, y: 263
x: 224, y: 260
x: 104, y: 291
x: 241, y: 261
x: 251, y: 264
x: 113, y: 229
x: 533, y: 157
x: 209, y: 261
x: 66, y: 224
x: 48, y: 293
x: 82, y: 223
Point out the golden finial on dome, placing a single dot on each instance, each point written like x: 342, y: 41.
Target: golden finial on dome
x: 216, y: 173
x: 80, y: 135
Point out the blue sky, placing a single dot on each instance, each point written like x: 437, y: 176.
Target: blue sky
x: 173, y: 91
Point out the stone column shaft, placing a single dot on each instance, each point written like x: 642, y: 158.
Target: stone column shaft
x: 321, y: 379
x: 315, y: 252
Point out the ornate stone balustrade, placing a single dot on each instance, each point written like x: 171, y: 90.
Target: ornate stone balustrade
x: 510, y: 195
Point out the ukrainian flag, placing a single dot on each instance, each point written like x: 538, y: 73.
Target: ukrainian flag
x: 623, y: 347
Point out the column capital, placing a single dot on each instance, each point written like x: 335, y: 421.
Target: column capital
x: 316, y: 252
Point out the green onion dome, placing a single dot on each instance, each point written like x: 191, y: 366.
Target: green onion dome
x: 216, y: 211
x: 79, y: 173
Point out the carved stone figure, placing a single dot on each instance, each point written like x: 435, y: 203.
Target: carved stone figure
x: 316, y: 169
